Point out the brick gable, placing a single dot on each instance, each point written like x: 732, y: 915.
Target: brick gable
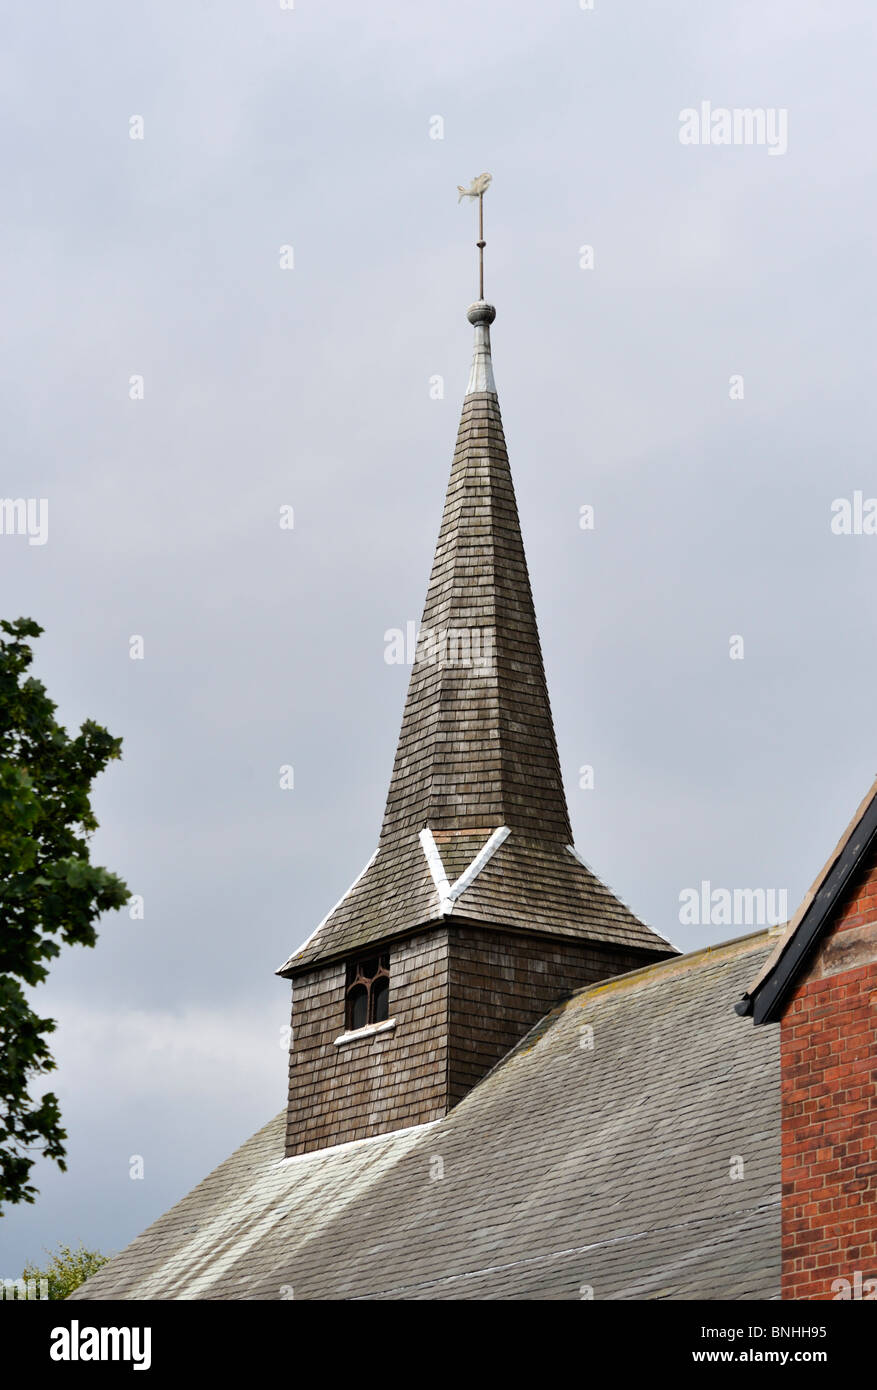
x: 829, y: 1105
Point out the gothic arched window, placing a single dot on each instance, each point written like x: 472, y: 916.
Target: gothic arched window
x: 368, y: 991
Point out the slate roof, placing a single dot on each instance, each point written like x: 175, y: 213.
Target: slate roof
x: 477, y: 749
x: 567, y: 1166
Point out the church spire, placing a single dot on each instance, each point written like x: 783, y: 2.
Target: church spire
x: 475, y: 914
x: 477, y: 747
x: 476, y: 823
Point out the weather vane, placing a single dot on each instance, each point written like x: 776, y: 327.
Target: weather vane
x: 477, y: 189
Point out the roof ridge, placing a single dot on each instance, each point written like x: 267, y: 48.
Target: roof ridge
x: 676, y: 965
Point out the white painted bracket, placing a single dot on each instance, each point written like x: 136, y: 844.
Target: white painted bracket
x: 450, y: 892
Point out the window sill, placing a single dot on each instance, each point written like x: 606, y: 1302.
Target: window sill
x: 369, y: 1031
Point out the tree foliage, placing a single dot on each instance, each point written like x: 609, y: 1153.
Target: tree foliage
x: 66, y: 1269
x: 50, y: 892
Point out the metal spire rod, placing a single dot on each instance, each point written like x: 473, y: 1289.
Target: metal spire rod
x: 477, y: 189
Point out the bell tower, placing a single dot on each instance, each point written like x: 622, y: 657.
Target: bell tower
x: 476, y: 914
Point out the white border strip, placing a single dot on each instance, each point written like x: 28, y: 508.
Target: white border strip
x: 436, y: 868
x: 303, y: 947
x: 571, y: 849
x: 349, y: 1143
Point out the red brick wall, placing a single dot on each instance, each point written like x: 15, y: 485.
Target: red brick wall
x: 828, y: 1046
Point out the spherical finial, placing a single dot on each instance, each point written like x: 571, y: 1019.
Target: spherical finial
x: 481, y: 312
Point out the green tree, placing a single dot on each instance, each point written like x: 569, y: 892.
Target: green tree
x: 66, y: 1270
x: 50, y: 893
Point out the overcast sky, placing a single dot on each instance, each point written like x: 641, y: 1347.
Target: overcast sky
x: 309, y: 387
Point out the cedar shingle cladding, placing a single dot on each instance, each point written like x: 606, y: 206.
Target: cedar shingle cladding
x: 501, y: 984
x: 476, y: 752
x: 612, y: 1167
x: 461, y: 998
x: 385, y: 1081
x: 477, y: 748
x: 527, y: 884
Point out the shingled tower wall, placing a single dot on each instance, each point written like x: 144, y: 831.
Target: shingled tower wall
x: 487, y: 913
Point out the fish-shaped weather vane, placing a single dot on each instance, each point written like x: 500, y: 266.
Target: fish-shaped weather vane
x: 477, y: 189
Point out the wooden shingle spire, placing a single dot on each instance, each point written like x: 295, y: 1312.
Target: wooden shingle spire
x: 477, y: 748
x: 476, y: 828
